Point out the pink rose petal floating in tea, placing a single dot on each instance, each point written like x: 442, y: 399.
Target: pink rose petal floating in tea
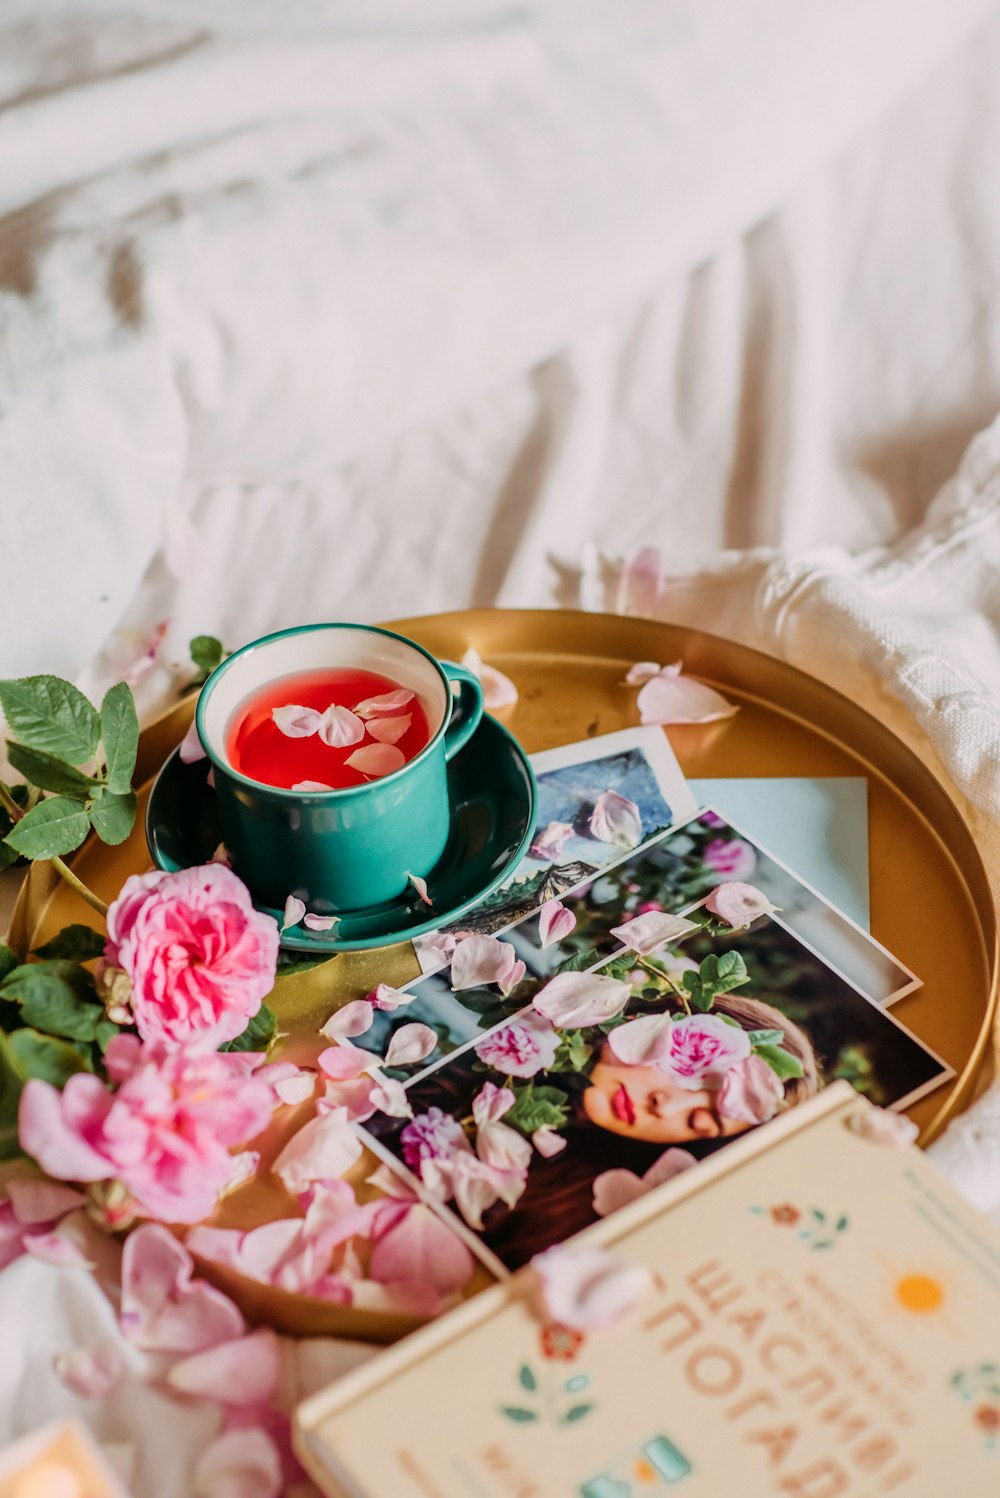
x: 589, y: 1289
x: 653, y: 929
x: 389, y: 730
x: 738, y: 905
x: 376, y: 759
x: 311, y: 785
x: 615, y: 819
x: 498, y: 689
x: 667, y: 696
x: 339, y: 727
x: 614, y: 1189
x: 555, y: 922
x: 386, y: 705
x: 296, y: 722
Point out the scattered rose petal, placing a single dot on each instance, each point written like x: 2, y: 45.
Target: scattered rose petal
x: 210, y: 779
x: 389, y: 730
x: 311, y: 785
x: 642, y: 672
x: 474, y: 1184
x: 35, y: 1201
x: 555, y: 922
x: 319, y: 922
x: 639, y: 1040
x: 339, y: 727
x: 57, y: 1249
x: 420, y: 885
x: 296, y: 1089
x: 385, y: 706
x: 670, y: 697
x: 571, y: 1000
x: 550, y: 840
x: 548, y: 1142
x: 508, y: 981
x: 640, y: 586
x: 479, y: 960
x: 410, y: 1044
x: 645, y: 933
x: 221, y: 855
x: 615, y: 819
x: 614, y: 1189
x: 498, y: 689
x: 322, y: 1150
x: 391, y: 1184
x: 297, y: 722
x: 349, y: 1020
x: 238, y: 1464
x: 191, y: 748
x: 376, y: 759
x: 91, y: 1373
x: 880, y: 1126
x: 240, y: 1373
x: 419, y: 1247
x: 390, y: 1097
x: 589, y: 1288
x: 750, y: 1093
x: 162, y: 1308
x: 388, y: 998
x: 294, y: 910
x: 344, y: 1062
x: 738, y: 905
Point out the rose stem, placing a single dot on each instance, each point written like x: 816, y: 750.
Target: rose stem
x: 674, y: 987
x: 16, y: 813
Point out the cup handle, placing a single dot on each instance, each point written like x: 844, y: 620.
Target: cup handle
x: 466, y: 708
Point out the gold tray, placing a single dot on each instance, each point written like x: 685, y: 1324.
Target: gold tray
x: 930, y: 897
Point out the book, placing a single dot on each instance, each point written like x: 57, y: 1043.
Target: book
x: 823, y: 1321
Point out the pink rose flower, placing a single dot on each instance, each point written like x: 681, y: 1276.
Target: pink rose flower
x: 522, y: 1048
x: 695, y: 1051
x: 729, y: 858
x: 165, y: 1132
x: 750, y: 1092
x: 201, y: 960
x: 433, y: 1135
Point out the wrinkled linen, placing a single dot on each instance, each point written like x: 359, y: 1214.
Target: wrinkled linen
x: 302, y: 313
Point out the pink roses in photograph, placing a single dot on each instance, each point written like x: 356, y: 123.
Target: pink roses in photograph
x: 165, y: 1132
x: 200, y: 959
x: 695, y: 1051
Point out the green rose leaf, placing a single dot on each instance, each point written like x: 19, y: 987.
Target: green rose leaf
x: 580, y: 961
x: 50, y: 773
x: 782, y: 1063
x: 50, y: 714
x: 74, y: 943
x: 55, y: 997
x: 206, y: 652
x: 765, y: 1037
x: 113, y: 816
x: 50, y: 829
x: 258, y: 1034
x: 120, y: 736
x: 8, y: 960
x: 537, y: 1107
x: 7, y: 855
x: 43, y: 1056
x: 66, y: 1017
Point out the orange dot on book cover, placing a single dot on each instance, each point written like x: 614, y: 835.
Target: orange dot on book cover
x: 920, y: 1293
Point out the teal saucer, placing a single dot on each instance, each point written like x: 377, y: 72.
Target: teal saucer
x: 492, y: 792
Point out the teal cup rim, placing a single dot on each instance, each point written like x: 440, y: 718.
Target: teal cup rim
x: 346, y: 792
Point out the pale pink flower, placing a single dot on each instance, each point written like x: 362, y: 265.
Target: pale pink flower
x: 670, y: 697
x: 163, y: 1308
x: 479, y: 960
x: 166, y: 1132
x: 696, y: 1051
x: 750, y: 1092
x: 549, y: 842
x: 554, y: 923
x: 572, y: 1000
x: 654, y: 928
x: 738, y: 905
x: 410, y: 1044
x: 522, y: 1047
x: 498, y: 689
x: 615, y: 819
x: 589, y: 1288
x: 201, y: 960
x: 433, y: 1135
x: 614, y: 1189
x: 730, y: 858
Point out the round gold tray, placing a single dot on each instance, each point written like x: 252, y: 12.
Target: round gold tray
x: 930, y: 898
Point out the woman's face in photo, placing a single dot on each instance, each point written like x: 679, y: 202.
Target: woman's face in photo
x: 641, y: 1102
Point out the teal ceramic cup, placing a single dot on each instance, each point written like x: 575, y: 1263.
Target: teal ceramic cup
x: 353, y: 848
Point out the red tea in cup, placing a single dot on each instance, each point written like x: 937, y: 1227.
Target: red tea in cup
x: 326, y: 730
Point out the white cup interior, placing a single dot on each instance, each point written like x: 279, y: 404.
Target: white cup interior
x: 318, y: 649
